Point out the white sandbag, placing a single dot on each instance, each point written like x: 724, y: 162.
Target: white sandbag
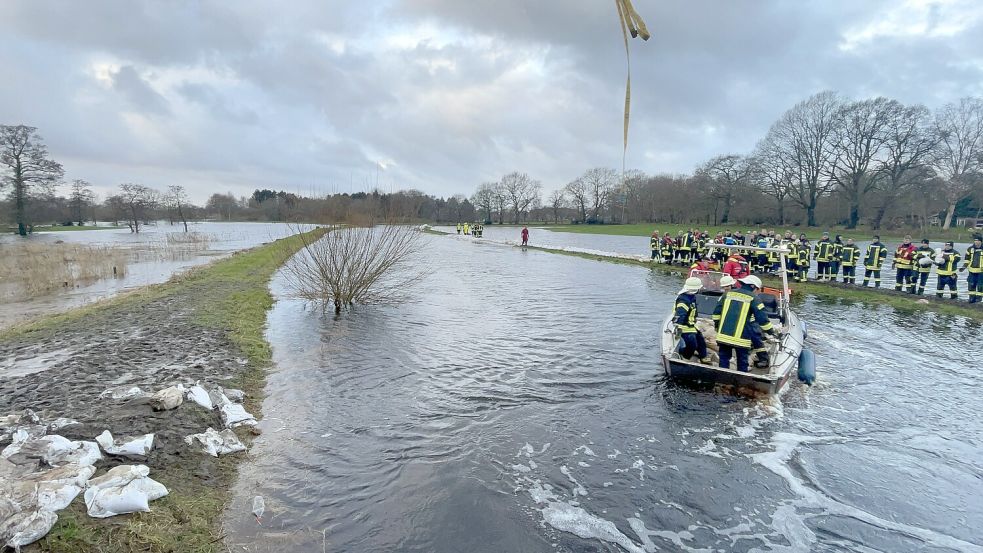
x: 61, y: 422
x: 58, y: 487
x: 237, y: 396
x: 124, y: 489
x: 28, y: 527
x: 217, y: 443
x: 168, y: 398
x: 28, y: 432
x: 199, y: 395
x: 56, y: 450
x: 128, y: 447
x: 234, y: 415
x: 125, y: 392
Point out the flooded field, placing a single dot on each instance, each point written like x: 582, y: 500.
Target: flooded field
x: 520, y: 405
x: 639, y: 246
x: 152, y: 256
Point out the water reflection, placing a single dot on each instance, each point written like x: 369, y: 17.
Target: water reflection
x: 521, y: 406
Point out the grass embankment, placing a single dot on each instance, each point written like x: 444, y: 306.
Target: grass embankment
x: 435, y: 232
x: 860, y: 233
x: 229, y: 295
x: 903, y: 302
x: 62, y: 228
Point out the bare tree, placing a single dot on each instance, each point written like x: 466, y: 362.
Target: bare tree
x: 859, y: 135
x: 771, y: 175
x: 80, y: 199
x: 907, y: 144
x: 27, y: 169
x: 599, y: 182
x: 501, y: 199
x: 137, y: 201
x: 802, y: 142
x: 958, y: 156
x: 521, y: 192
x: 484, y: 199
x: 357, y: 265
x: 557, y: 200
x: 178, y: 199
x: 725, y: 176
x: 578, y: 191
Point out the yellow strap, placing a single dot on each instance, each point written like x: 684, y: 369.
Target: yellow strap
x: 631, y: 23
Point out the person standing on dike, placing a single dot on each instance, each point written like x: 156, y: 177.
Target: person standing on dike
x: 525, y: 236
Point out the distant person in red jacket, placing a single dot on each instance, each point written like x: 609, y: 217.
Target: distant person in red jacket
x: 736, y: 267
x: 525, y: 236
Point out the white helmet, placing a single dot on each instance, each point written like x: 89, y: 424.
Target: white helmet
x: 753, y: 281
x: 693, y: 284
x: 727, y: 280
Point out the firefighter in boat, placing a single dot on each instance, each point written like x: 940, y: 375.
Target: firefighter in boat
x: 873, y: 261
x: 740, y: 318
x: 692, y: 340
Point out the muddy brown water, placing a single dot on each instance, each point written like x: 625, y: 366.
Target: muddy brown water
x: 520, y: 405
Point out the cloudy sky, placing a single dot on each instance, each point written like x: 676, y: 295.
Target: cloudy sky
x: 441, y: 95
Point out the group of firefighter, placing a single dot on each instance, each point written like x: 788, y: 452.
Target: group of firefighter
x: 835, y: 259
x: 472, y: 229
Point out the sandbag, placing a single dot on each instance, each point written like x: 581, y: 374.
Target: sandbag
x: 168, y: 398
x: 27, y: 527
x: 237, y: 396
x: 124, y: 392
x: 217, y: 443
x: 128, y: 447
x: 199, y: 395
x: 234, y: 415
x: 56, y: 450
x: 57, y: 488
x: 124, y: 489
x: 709, y: 334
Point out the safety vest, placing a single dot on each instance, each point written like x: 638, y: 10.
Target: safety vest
x: 974, y: 259
x: 824, y: 251
x: 904, y: 256
x: 686, y: 242
x: 667, y: 247
x: 654, y: 243
x: 803, y: 253
x: 876, y: 253
x: 686, y: 313
x: 921, y: 253
x: 738, y: 316
x: 849, y: 255
x: 949, y: 261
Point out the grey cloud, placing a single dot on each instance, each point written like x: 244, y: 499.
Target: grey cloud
x: 137, y: 92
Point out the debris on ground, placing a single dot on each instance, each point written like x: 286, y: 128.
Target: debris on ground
x: 124, y: 489
x: 168, y: 398
x: 259, y: 507
x: 217, y: 443
x: 128, y: 447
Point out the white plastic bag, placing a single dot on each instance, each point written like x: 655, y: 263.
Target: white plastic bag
x: 125, y: 392
x: 168, y: 398
x: 234, y: 415
x: 217, y: 443
x: 28, y: 527
x: 199, y: 395
x: 124, y: 489
x: 131, y: 447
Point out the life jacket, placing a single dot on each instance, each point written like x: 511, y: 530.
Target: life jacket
x: 876, y: 253
x: 686, y: 242
x: 974, y: 259
x: 803, y: 253
x: 686, y: 313
x: 654, y: 243
x: 824, y: 251
x: 904, y: 256
x: 849, y: 255
x: 667, y: 246
x: 922, y: 253
x: 739, y: 316
x: 837, y: 251
x: 949, y: 261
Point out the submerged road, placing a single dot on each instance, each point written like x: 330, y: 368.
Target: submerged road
x: 520, y: 405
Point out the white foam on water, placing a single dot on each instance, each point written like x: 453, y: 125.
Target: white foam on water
x: 582, y: 464
x: 578, y: 489
x: 587, y: 451
x: 640, y: 465
x: 521, y: 468
x: 614, y: 455
x: 788, y: 521
x: 677, y: 538
x: 708, y: 449
x: 577, y: 521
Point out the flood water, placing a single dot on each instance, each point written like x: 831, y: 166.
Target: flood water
x: 520, y: 405
x: 151, y: 260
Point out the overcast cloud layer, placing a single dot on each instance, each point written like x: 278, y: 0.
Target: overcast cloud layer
x: 440, y: 95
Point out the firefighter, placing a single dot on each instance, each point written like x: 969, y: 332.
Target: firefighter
x: 804, y: 252
x: 654, y: 244
x: 692, y: 340
x: 834, y: 265
x: 702, y: 265
x: 904, y: 265
x: 459, y: 228
x: 792, y: 261
x: 873, y: 260
x: 686, y: 247
x: 947, y: 261
x: 668, y: 248
x: 824, y: 257
x: 740, y: 318
x: 467, y: 229
x: 922, y: 266
x: 848, y: 258
x: 762, y: 257
x: 974, y: 262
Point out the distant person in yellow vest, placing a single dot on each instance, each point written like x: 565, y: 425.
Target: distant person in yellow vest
x: 848, y: 259
x: 467, y: 229
x: 923, y: 265
x: 947, y: 261
x: 974, y: 262
x: 873, y: 260
x: 459, y: 228
x: 654, y: 244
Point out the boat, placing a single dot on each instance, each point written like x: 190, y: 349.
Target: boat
x: 787, y: 352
